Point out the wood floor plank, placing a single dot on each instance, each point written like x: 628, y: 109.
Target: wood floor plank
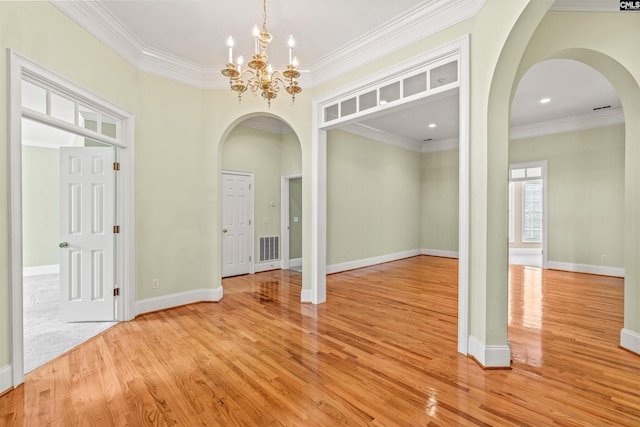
x: 381, y: 352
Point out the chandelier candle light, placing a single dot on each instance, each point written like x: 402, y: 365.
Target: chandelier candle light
x: 260, y: 75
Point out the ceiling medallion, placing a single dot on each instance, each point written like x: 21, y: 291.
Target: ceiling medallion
x: 260, y: 76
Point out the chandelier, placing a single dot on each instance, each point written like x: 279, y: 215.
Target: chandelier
x: 260, y: 76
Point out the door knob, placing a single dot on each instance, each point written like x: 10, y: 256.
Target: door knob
x: 224, y: 230
x: 64, y: 245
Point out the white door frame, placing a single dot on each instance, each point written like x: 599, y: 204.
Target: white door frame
x: 284, y: 219
x: 458, y: 47
x: 19, y: 67
x: 251, y: 217
x: 545, y: 202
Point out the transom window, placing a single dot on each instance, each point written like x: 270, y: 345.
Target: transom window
x: 429, y: 79
x: 43, y: 104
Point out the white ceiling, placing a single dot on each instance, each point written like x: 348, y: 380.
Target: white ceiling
x: 197, y: 31
x: 191, y: 35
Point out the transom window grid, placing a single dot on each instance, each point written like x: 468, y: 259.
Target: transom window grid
x: 43, y: 103
x: 426, y: 80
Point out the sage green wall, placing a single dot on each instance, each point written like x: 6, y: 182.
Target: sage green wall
x: 585, y: 190
x: 290, y: 154
x: 40, y: 205
x: 373, y: 198
x: 263, y: 153
x: 440, y: 180
x: 295, y: 211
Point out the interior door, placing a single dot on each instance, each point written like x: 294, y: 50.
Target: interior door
x: 237, y: 211
x: 87, y: 182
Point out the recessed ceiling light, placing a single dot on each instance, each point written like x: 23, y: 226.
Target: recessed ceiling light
x: 545, y: 100
x: 432, y: 125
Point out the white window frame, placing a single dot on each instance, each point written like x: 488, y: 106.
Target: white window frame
x: 530, y: 168
x: 512, y: 225
x: 524, y: 238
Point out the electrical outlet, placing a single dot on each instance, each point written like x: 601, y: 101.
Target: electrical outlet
x: 604, y: 257
x: 155, y: 283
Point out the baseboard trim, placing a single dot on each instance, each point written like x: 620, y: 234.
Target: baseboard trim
x: 39, y: 270
x: 6, y: 383
x: 266, y: 266
x: 295, y: 262
x: 585, y: 268
x: 630, y: 340
x: 352, y: 265
x: 490, y: 356
x: 525, y: 251
x: 306, y: 295
x: 440, y: 253
x: 174, y: 300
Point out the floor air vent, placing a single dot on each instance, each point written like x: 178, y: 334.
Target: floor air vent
x: 269, y: 248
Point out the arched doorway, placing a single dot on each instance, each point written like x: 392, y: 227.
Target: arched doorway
x: 553, y: 37
x: 260, y: 151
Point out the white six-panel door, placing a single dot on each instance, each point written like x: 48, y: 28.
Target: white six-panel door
x: 237, y: 208
x: 86, y: 233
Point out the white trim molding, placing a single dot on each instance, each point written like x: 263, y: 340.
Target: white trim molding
x: 490, y: 356
x: 440, y: 253
x: 384, y: 137
x: 259, y: 267
x: 175, y: 300
x: 6, y: 376
x: 306, y: 295
x: 600, y: 270
x: 352, y: 265
x: 630, y: 340
x: 525, y: 251
x: 40, y: 270
x: 295, y: 262
x: 413, y: 25
x: 591, y: 120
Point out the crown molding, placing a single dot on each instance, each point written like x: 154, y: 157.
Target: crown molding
x: 591, y: 120
x: 594, y: 119
x: 586, y: 6
x: 415, y: 24
x: 384, y: 137
x: 440, y: 145
x: 94, y: 18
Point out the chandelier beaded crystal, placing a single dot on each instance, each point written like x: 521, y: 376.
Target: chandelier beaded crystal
x: 260, y: 76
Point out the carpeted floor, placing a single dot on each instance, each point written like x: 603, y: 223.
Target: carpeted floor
x: 45, y: 336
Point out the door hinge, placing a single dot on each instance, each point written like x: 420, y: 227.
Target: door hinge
x: 116, y: 229
x: 116, y: 166
x: 249, y: 257
x: 249, y: 222
x: 116, y: 292
x: 249, y: 186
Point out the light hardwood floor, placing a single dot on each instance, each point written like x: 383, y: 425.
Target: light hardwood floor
x: 381, y: 351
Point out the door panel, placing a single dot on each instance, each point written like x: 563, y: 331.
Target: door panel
x: 87, y: 184
x: 236, y: 224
